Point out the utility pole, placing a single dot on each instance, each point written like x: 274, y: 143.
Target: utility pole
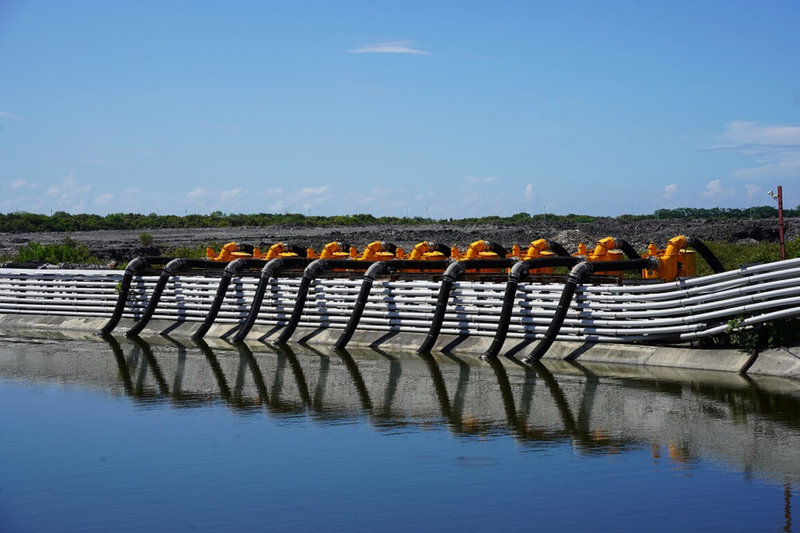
x: 779, y: 198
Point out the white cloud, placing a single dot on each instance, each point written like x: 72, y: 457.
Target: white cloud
x: 5, y: 114
x: 197, y: 194
x: 485, y: 179
x: 743, y: 132
x: 669, y: 191
x: 529, y: 192
x: 714, y: 190
x: 70, y: 195
x: 390, y: 47
x: 230, y: 194
x: 754, y: 191
x: 313, y: 191
x: 775, y: 149
x: 20, y: 184
x: 104, y: 199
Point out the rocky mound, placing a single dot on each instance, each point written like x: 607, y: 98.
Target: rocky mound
x: 123, y: 245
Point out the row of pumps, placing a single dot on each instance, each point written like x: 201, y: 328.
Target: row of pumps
x: 675, y: 259
x: 610, y: 257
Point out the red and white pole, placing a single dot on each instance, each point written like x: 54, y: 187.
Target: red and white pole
x: 780, y: 222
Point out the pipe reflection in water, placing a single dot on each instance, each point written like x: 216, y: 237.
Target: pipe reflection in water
x: 679, y: 416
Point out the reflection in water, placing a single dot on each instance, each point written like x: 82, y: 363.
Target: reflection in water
x: 678, y: 416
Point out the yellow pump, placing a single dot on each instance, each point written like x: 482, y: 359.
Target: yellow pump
x: 336, y: 250
x: 233, y: 250
x: 536, y: 249
x: 279, y: 249
x: 673, y: 261
x: 425, y: 251
x: 378, y: 251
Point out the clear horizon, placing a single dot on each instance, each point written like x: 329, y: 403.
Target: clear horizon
x: 445, y: 110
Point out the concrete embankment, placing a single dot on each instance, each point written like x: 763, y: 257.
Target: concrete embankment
x: 783, y: 362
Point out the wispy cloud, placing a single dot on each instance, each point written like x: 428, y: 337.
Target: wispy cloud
x: 11, y: 116
x: 476, y: 179
x: 230, y: 194
x: 313, y: 191
x: 775, y: 149
x: 754, y: 191
x: 669, y: 191
x: 21, y: 184
x: 104, y: 199
x: 70, y: 194
x: 715, y: 190
x: 529, y: 192
x: 391, y: 47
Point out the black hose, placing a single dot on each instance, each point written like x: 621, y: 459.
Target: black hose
x: 441, y: 248
x: 496, y: 248
x: 573, y: 280
x: 556, y: 248
x: 450, y: 276
x: 626, y: 247
x: 571, y: 285
x: 519, y: 271
x: 309, y: 274
x: 172, y: 268
x: 271, y: 269
x: 373, y: 272
x: 706, y: 254
x: 312, y: 270
x: 231, y: 271
x: 133, y: 268
x: 639, y: 263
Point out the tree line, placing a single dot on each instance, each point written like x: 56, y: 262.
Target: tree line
x: 21, y: 221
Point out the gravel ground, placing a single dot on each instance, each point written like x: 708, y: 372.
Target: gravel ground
x: 123, y: 245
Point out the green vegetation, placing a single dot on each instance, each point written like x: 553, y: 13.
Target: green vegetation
x: 68, y: 251
x: 733, y: 255
x: 769, y: 335
x: 61, y: 221
x: 145, y: 238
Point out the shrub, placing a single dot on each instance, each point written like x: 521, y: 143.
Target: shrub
x: 68, y: 251
x: 145, y: 238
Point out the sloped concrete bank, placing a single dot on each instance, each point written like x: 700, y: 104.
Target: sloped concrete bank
x: 781, y: 362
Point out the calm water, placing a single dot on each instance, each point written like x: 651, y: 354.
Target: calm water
x: 121, y: 435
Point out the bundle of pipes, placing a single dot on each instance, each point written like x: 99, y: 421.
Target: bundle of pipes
x: 572, y: 310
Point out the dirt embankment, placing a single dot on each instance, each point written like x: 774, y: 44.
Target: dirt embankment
x: 123, y: 245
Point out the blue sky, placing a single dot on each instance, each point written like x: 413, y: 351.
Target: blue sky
x: 440, y: 109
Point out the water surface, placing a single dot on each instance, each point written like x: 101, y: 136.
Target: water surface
x: 124, y: 435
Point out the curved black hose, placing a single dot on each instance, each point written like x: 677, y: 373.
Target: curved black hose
x: 361, y: 301
x: 231, y: 271
x: 363, y: 294
x: 571, y: 285
x: 294, y: 249
x: 312, y: 270
x: 441, y: 248
x: 271, y: 269
x: 496, y: 248
x: 172, y: 268
x: 706, y: 254
x: 450, y: 276
x: 626, y: 247
x: 519, y: 271
x: 133, y: 268
x: 573, y: 280
x: 556, y: 248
